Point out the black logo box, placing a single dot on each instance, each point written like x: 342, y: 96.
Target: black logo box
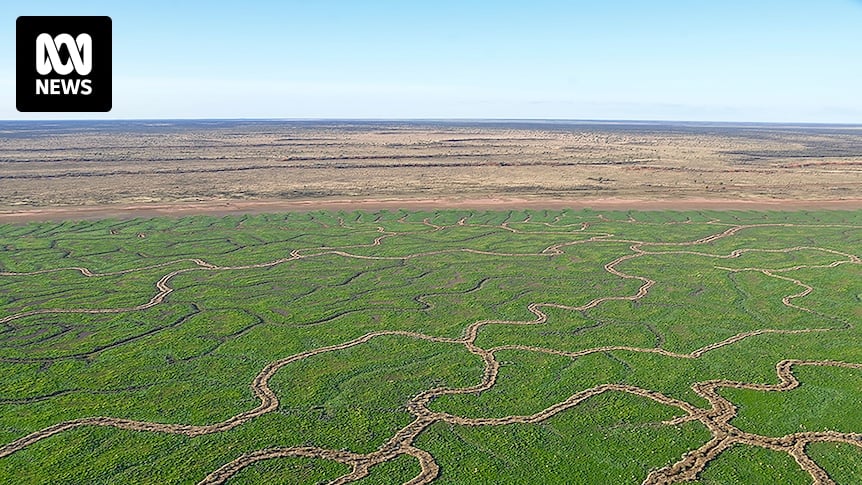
x: 26, y: 32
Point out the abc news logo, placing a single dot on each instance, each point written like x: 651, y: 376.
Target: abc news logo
x: 63, y: 64
x: 48, y: 60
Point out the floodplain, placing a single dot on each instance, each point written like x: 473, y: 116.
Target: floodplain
x: 453, y: 346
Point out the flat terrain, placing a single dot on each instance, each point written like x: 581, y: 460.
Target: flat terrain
x: 529, y: 346
x: 118, y: 164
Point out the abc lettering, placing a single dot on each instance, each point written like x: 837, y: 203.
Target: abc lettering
x: 48, y: 60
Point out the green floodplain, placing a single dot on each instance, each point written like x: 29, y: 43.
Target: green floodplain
x: 573, y: 346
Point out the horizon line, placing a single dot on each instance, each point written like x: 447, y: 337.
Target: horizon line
x: 456, y: 120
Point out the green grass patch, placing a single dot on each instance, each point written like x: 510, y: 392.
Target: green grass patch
x: 192, y: 358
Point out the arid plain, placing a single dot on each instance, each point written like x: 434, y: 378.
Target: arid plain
x: 284, y: 164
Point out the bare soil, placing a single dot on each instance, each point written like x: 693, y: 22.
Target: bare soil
x: 144, y: 168
x: 233, y: 207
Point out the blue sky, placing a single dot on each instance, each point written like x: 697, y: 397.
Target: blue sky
x: 763, y: 60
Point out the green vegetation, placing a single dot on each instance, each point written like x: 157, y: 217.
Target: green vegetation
x: 613, y: 438
x: 843, y: 462
x: 747, y: 464
x: 171, y: 321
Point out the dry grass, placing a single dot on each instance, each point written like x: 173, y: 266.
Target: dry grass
x: 142, y: 162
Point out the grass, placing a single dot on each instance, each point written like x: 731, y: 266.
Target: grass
x: 191, y: 359
x: 827, y: 399
x: 747, y: 464
x: 611, y: 440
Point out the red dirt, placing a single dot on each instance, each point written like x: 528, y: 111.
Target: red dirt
x: 233, y: 207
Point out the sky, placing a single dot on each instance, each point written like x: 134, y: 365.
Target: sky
x: 731, y: 60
